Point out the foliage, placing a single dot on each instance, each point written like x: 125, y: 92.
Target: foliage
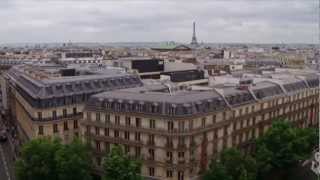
x: 118, y: 166
x: 217, y: 171
x: 50, y: 160
x: 73, y: 162
x: 283, y: 147
x: 232, y: 165
x: 277, y: 155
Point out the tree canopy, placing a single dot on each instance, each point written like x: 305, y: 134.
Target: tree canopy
x: 283, y: 147
x: 232, y: 165
x: 73, y: 162
x: 48, y: 159
x: 119, y: 166
x: 278, y: 154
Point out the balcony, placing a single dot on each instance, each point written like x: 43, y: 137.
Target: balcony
x: 181, y: 161
x: 150, y: 143
x: 182, y: 146
x: 169, y: 145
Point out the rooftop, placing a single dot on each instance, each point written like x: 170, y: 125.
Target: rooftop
x: 48, y: 81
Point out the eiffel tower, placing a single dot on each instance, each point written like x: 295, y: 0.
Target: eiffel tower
x: 194, y: 41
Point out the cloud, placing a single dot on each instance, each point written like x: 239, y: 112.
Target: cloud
x: 259, y: 21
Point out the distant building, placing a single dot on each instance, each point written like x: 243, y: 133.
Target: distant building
x: 79, y: 57
x: 171, y: 46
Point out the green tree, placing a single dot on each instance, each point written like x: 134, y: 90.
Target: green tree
x: 73, y: 162
x: 232, y: 165
x: 217, y: 171
x: 37, y: 160
x: 283, y: 147
x: 118, y: 166
x: 238, y: 164
x: 48, y: 159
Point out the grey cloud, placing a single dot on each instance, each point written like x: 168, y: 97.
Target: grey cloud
x: 151, y: 20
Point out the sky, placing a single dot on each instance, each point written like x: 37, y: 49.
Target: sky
x: 218, y: 21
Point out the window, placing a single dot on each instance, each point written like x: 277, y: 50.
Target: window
x: 191, y: 124
x: 151, y: 154
x: 169, y: 173
x: 107, y: 117
x: 170, y: 126
x: 138, y: 151
x: 88, y: 115
x: 181, y: 126
x: 107, y: 146
x: 225, y: 130
x: 138, y: 122
x: 152, y: 124
x: 97, y: 131
x: 55, y: 128
x: 169, y: 142
x: 151, y: 139
x: 117, y: 120
x: 75, y: 111
x: 75, y: 124
x: 151, y: 171
x: 65, y: 126
x: 214, y: 119
x: 126, y: 149
x: 224, y: 114
x: 127, y: 135
x: 169, y: 155
x: 180, y: 175
x: 39, y: 116
x: 203, y: 123
x: 106, y: 131
x: 116, y: 133
x: 128, y: 121
x: 137, y: 136
x: 64, y: 113
x: 181, y: 142
x: 181, y: 154
x: 88, y: 129
x: 40, y: 131
x: 54, y: 115
x: 98, y: 147
x: 98, y: 117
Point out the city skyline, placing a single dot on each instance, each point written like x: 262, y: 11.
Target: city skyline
x: 152, y: 21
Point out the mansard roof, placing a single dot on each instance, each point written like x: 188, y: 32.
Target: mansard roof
x: 72, y: 85
x: 265, y: 89
x: 176, y: 104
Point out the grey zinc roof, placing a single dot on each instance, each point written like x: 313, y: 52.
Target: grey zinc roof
x: 182, y: 103
x: 237, y: 97
x: 180, y: 97
x: 265, y: 89
x: 67, y: 86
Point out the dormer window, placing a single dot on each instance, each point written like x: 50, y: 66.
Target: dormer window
x: 172, y: 109
x: 154, y: 108
x: 140, y: 106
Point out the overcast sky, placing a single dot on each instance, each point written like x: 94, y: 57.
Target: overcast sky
x: 255, y: 21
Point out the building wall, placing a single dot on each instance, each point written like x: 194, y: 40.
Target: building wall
x: 32, y: 125
x: 197, y: 139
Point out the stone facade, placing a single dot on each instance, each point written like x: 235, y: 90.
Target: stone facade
x: 177, y: 144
